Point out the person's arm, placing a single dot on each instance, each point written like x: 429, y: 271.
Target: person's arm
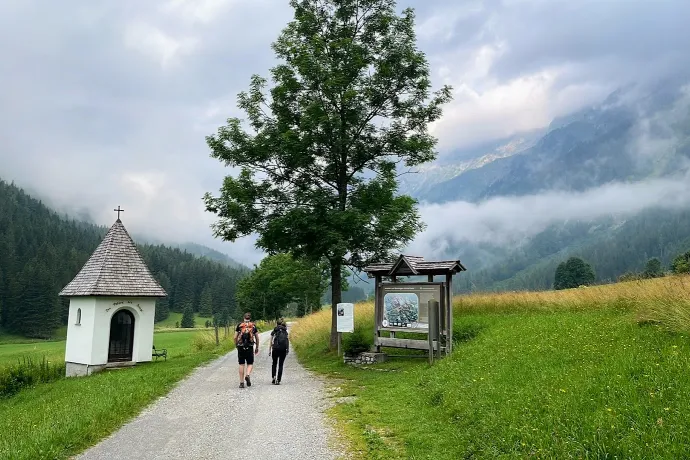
x: 270, y: 346
x: 256, y: 334
x: 237, y: 334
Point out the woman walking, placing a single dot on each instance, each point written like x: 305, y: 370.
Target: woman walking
x: 280, y: 345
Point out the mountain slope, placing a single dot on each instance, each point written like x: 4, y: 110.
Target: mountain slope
x: 618, y: 140
x: 41, y: 251
x: 632, y: 137
x: 612, y: 246
x: 204, y: 251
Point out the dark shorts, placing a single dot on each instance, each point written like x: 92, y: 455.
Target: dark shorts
x: 245, y: 355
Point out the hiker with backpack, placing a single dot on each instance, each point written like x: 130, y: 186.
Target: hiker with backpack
x: 246, y: 339
x: 280, y: 345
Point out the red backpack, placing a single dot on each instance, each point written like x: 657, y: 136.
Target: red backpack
x: 246, y: 334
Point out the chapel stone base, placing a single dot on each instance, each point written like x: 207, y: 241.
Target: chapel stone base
x: 81, y: 370
x: 365, y: 358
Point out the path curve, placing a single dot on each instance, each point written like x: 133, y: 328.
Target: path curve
x: 200, y: 418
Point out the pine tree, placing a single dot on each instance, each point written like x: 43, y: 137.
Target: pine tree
x: 39, y: 312
x: 187, y: 317
x: 206, y: 302
x: 163, y: 305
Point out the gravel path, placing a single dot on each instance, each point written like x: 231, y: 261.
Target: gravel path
x: 200, y: 418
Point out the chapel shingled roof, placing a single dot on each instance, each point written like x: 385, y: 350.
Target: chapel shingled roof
x: 114, y: 269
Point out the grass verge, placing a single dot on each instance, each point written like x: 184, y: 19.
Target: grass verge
x: 56, y: 420
x: 552, y: 375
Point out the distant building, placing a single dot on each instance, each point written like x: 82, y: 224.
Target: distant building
x: 112, y: 305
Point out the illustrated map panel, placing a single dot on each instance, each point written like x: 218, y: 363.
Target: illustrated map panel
x: 407, y: 305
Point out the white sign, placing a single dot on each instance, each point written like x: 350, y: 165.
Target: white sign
x: 346, y: 317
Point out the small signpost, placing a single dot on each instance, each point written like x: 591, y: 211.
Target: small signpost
x: 417, y: 307
x: 345, y: 321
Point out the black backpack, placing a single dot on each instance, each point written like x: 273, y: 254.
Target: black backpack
x: 280, y: 339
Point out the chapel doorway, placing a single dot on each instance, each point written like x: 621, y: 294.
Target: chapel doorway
x: 121, y: 336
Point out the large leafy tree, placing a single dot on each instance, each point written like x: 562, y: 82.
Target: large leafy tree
x: 278, y: 280
x: 573, y: 273
x: 351, y: 99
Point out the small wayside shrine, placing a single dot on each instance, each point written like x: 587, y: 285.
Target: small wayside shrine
x: 112, y: 306
x: 424, y: 307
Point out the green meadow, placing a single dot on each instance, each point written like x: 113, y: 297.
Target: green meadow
x: 57, y: 420
x: 586, y: 373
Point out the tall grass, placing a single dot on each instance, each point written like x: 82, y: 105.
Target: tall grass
x: 27, y: 372
x: 661, y: 300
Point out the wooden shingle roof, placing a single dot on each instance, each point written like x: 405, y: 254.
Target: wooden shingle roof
x: 114, y: 269
x: 415, y: 265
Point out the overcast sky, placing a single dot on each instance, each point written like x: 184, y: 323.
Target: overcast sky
x: 106, y: 103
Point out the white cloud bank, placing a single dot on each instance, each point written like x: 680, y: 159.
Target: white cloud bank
x: 511, y: 220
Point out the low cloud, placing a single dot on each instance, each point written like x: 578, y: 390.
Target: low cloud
x: 510, y: 221
x: 107, y: 103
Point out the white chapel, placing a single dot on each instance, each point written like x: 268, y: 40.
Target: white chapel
x: 112, y: 305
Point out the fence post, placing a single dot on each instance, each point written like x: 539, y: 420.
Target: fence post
x: 433, y: 328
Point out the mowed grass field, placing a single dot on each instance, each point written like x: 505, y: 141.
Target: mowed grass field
x: 56, y: 420
x: 599, y: 372
x: 175, y: 317
x: 14, y: 351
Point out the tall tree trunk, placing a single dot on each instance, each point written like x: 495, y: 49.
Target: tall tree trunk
x: 336, y: 298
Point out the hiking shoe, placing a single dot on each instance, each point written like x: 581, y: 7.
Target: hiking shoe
x: 249, y: 382
x: 273, y: 380
x: 277, y: 382
x: 241, y: 384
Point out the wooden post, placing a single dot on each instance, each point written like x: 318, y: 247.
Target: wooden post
x: 377, y: 311
x: 449, y: 301
x: 438, y: 312
x: 433, y: 327
x: 340, y: 336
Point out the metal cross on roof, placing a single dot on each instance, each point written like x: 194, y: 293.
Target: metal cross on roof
x: 118, y: 212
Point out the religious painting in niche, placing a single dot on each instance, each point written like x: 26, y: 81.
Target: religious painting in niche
x: 121, y: 336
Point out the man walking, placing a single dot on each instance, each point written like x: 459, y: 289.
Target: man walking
x: 246, y: 338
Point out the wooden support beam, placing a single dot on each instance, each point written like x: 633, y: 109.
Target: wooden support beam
x: 449, y: 301
x: 405, y: 343
x: 377, y: 311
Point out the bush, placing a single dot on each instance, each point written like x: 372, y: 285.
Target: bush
x: 630, y: 276
x: 357, y: 342
x: 27, y: 373
x: 681, y: 264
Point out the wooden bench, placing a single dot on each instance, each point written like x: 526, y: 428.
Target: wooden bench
x: 160, y: 352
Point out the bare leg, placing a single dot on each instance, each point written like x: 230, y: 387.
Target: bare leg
x: 241, y: 373
x: 249, y: 369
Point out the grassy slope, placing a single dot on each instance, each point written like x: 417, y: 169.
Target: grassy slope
x: 555, y: 374
x: 56, y: 420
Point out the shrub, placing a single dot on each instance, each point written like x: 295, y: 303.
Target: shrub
x: 27, y: 373
x: 357, y: 342
x: 681, y: 264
